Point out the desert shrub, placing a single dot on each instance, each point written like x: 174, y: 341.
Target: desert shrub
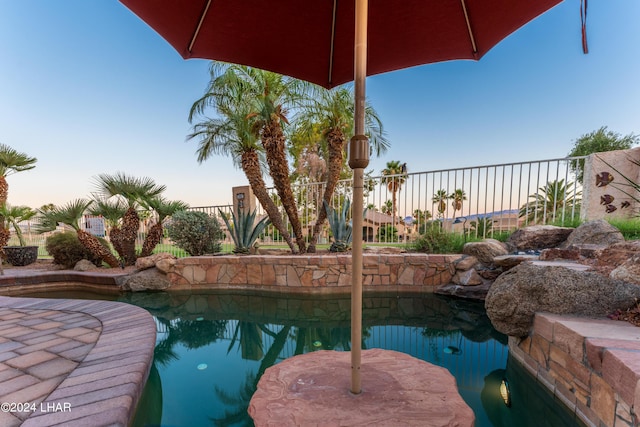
x: 568, y: 221
x: 502, y: 236
x: 438, y: 241
x: 66, y: 249
x: 387, y: 233
x: 195, y: 232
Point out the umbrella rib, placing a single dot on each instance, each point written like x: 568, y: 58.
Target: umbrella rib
x: 333, y: 38
x: 471, y: 37
x: 195, y: 34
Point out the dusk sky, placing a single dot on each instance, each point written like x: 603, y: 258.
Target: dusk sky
x: 88, y: 88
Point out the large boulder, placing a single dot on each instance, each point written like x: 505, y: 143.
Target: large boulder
x: 84, y: 265
x: 485, y: 251
x: 628, y: 271
x: 151, y: 279
x: 597, y: 232
x: 537, y: 237
x: 476, y: 292
x: 518, y: 294
x: 619, y: 253
x: 467, y: 278
x: 150, y: 261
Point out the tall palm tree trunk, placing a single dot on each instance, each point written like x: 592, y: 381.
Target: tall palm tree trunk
x: 4, y: 190
x: 5, y: 234
x: 130, y: 226
x: 393, y: 209
x: 115, y: 237
x: 154, y: 236
x: 93, y: 245
x: 251, y: 168
x: 335, y: 142
x: 273, y: 141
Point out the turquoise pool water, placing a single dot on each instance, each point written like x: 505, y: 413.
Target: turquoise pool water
x: 213, y: 347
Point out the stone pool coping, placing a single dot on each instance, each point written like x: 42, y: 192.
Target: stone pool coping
x: 591, y: 365
x: 76, y: 362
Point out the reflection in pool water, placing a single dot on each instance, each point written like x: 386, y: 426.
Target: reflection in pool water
x: 213, y: 347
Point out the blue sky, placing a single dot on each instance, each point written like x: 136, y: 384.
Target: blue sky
x: 88, y: 88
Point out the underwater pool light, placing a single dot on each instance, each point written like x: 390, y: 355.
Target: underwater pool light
x: 505, y: 392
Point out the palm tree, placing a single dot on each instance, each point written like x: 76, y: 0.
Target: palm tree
x: 112, y: 211
x: 440, y: 198
x: 231, y: 135
x: 133, y: 191
x: 333, y: 112
x: 550, y: 201
x: 422, y: 216
x: 163, y: 209
x: 387, y: 207
x: 394, y: 175
x: 70, y: 214
x: 458, y: 196
x: 12, y: 215
x: 12, y: 161
x: 270, y: 96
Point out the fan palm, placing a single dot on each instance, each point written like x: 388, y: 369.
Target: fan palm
x: 14, y: 215
x: 387, y: 207
x: 71, y: 214
x: 440, y: 199
x: 231, y: 135
x: 270, y: 96
x: 133, y: 191
x: 112, y: 210
x: 163, y: 209
x: 333, y: 112
x: 12, y: 161
x: 550, y: 201
x: 458, y: 196
x: 394, y: 175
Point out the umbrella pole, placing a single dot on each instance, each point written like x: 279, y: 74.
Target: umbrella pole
x: 358, y: 160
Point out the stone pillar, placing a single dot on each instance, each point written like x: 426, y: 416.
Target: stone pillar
x: 243, y: 199
x: 608, y: 187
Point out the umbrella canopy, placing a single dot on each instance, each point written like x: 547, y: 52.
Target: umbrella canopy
x: 314, y: 40
x: 329, y: 43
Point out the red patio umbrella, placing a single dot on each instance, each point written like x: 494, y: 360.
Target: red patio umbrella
x: 330, y: 42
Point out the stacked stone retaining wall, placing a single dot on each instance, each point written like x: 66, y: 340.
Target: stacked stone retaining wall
x: 323, y: 272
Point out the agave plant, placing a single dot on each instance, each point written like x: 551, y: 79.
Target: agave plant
x: 340, y: 227
x: 243, y: 232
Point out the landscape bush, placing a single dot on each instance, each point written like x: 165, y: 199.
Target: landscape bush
x: 66, y: 249
x: 195, y: 232
x: 437, y: 241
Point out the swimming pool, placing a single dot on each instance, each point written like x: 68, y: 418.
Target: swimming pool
x: 213, y: 347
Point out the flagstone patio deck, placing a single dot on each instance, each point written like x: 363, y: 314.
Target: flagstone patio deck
x: 72, y: 362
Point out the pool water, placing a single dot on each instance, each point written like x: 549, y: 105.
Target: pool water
x: 212, y: 348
